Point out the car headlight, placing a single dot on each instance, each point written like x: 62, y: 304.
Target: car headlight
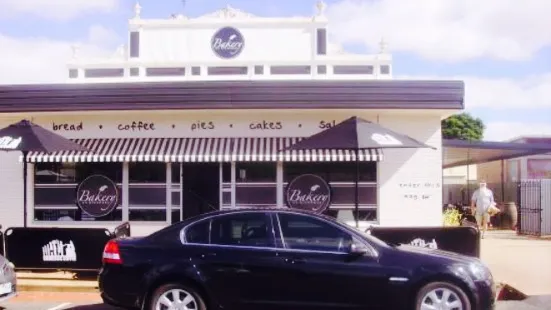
x: 479, y: 272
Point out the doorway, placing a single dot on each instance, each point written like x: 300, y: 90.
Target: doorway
x: 200, y: 188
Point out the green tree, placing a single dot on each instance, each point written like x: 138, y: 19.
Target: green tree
x: 463, y: 127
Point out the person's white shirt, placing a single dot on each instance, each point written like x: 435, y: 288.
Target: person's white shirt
x: 483, y: 198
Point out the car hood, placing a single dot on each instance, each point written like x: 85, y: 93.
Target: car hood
x: 436, y: 254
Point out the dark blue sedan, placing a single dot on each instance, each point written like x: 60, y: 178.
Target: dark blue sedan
x: 285, y: 259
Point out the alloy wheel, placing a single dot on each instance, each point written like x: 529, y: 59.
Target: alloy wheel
x: 176, y: 299
x: 441, y: 299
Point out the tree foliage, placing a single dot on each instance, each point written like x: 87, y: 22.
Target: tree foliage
x: 463, y: 127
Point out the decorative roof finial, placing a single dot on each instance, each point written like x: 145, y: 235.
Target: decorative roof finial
x: 321, y: 6
x: 137, y: 10
x: 74, y: 49
x: 383, y: 46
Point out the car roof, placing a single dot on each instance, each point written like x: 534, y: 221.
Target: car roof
x: 259, y: 209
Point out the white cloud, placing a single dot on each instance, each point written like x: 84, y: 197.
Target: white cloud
x: 56, y: 9
x: 100, y: 35
x: 450, y: 30
x: 42, y: 60
x: 532, y: 92
x: 502, y: 131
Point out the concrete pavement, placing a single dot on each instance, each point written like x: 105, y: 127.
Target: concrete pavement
x: 92, y: 301
x: 522, y: 262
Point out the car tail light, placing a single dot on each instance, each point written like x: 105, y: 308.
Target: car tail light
x: 111, y: 253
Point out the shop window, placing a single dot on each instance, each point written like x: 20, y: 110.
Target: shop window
x: 176, y: 192
x: 227, y: 70
x: 55, y: 185
x: 258, y: 69
x: 73, y: 73
x: 134, y: 71
x: 322, y: 69
x: 341, y: 177
x: 165, y: 71
x: 256, y: 184
x: 147, y: 191
x: 351, y: 69
x: 321, y: 40
x: 134, y: 44
x: 226, y: 185
x: 290, y: 69
x: 103, y: 73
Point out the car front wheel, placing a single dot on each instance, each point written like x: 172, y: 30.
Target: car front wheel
x: 442, y: 296
x: 176, y: 297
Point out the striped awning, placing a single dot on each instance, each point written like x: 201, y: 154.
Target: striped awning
x: 198, y: 150
x: 269, y: 149
x: 143, y: 149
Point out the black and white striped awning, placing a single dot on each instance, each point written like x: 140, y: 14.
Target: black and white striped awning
x: 198, y: 150
x: 268, y: 149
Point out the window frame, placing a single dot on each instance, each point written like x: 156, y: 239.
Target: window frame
x: 269, y: 222
x: 280, y: 238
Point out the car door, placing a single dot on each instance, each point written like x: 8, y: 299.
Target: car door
x: 322, y: 273
x: 240, y: 260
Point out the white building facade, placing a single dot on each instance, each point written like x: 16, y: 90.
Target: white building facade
x: 192, y: 115
x: 230, y: 44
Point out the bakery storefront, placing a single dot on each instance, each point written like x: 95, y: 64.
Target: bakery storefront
x: 162, y: 152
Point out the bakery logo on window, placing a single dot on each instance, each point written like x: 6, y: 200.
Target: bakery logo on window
x: 9, y: 143
x: 308, y: 192
x: 227, y: 42
x: 97, y: 196
x: 385, y: 139
x: 423, y: 244
x: 57, y: 251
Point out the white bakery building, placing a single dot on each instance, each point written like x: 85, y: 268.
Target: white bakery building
x: 189, y: 116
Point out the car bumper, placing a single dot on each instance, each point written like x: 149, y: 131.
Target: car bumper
x: 114, y: 288
x: 485, y: 295
x: 8, y: 295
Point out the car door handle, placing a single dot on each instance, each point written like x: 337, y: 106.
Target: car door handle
x: 207, y: 255
x: 294, y: 260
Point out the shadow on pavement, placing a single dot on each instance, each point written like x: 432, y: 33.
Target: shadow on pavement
x: 93, y: 307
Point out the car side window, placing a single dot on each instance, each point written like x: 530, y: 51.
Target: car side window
x: 301, y: 232
x: 198, y: 232
x: 243, y: 229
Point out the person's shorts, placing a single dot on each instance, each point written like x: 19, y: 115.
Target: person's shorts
x: 480, y: 217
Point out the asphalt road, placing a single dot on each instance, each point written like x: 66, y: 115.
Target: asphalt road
x: 83, y: 301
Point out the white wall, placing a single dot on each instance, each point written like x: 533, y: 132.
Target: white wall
x: 194, y: 44
x: 421, y: 167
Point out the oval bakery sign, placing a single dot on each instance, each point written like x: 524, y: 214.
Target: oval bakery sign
x: 97, y: 195
x: 308, y: 192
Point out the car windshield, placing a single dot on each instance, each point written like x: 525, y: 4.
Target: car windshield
x: 364, y: 234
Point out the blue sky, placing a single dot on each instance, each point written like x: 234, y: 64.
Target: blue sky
x: 528, y: 106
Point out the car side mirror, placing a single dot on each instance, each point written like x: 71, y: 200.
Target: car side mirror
x: 357, y: 250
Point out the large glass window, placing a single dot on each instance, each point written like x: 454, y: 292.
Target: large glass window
x: 55, y: 190
x: 147, y: 191
x: 199, y: 233
x: 256, y: 184
x: 305, y: 233
x: 341, y: 177
x: 248, y: 229
x: 226, y: 186
x: 176, y: 192
x: 245, y: 229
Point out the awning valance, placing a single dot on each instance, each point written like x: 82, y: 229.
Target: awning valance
x: 198, y: 150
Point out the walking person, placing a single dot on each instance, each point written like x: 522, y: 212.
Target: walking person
x: 481, y: 201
